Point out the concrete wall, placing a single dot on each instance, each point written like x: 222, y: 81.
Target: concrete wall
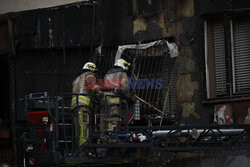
x: 21, y: 5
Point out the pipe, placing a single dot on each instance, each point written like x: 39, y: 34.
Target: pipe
x: 195, y: 133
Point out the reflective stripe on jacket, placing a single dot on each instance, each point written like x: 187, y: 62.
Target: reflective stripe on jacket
x: 82, y: 100
x: 113, y: 75
x: 111, y: 100
x: 80, y: 86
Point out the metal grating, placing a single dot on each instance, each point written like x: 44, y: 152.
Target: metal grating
x: 241, y: 56
x: 220, y: 60
x: 148, y: 64
x: 167, y: 70
x: 155, y: 63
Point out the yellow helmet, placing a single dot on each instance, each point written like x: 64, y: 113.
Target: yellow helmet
x: 122, y: 63
x: 89, y: 66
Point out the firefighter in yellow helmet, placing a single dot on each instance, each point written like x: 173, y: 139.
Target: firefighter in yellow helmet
x: 115, y: 82
x: 85, y: 84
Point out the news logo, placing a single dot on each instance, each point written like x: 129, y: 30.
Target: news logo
x: 130, y: 83
x: 145, y: 83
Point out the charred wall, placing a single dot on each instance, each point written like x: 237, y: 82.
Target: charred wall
x: 51, y: 47
x: 180, y: 20
x: 44, y: 51
x: 51, y: 31
x: 5, y: 48
x: 64, y: 26
x: 143, y: 20
x: 48, y: 71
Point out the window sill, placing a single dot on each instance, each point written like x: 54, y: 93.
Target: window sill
x: 226, y: 99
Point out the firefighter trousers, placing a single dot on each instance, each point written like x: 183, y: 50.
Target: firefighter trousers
x: 109, y: 122
x: 81, y: 124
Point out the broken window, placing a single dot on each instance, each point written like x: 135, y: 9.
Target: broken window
x: 227, y: 56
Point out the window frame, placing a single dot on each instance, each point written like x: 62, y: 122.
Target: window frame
x: 227, y: 20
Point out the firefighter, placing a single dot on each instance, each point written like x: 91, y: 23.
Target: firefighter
x: 81, y: 105
x: 115, y: 82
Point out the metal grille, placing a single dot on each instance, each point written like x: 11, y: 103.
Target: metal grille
x: 219, y: 53
x: 147, y: 67
x: 155, y: 63
x: 148, y: 64
x: 240, y: 34
x: 167, y: 70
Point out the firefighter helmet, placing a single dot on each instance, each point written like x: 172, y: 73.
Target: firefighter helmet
x: 122, y: 63
x: 89, y: 66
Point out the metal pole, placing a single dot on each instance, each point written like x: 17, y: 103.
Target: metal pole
x: 150, y: 105
x: 207, y: 132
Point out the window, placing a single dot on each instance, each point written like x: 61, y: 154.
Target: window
x: 227, y: 56
x: 240, y: 45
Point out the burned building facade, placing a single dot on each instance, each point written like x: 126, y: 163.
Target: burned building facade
x: 44, y: 49
x: 212, y: 76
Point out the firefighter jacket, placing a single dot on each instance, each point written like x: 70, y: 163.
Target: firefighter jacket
x: 116, y: 83
x: 84, y: 84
